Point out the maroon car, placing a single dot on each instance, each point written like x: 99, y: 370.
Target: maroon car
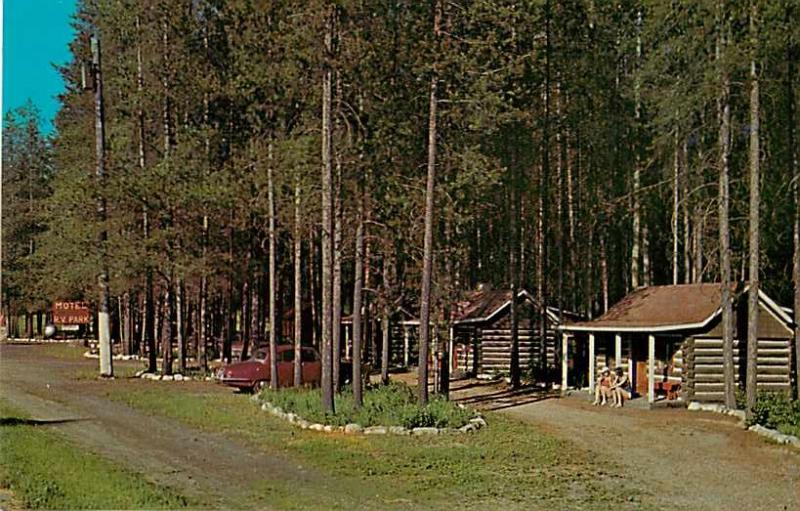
x: 254, y: 373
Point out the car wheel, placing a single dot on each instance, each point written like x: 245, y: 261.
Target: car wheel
x: 259, y: 386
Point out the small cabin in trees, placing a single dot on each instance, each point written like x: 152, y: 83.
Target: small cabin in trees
x: 668, y: 339
x: 482, y: 334
x: 403, y: 334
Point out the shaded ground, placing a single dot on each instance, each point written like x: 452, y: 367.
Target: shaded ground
x: 192, y: 461
x: 691, y: 460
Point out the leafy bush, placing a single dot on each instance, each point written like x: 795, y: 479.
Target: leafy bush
x: 776, y: 411
x: 384, y: 405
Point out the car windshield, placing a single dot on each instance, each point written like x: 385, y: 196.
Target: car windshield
x: 261, y: 355
x: 309, y: 355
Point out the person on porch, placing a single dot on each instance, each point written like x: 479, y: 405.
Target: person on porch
x: 621, y: 388
x: 603, y: 388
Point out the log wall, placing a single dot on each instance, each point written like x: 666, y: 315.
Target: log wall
x: 493, y: 349
x: 704, y: 378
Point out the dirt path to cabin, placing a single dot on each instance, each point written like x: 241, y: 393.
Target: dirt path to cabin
x: 693, y: 460
x: 206, y: 466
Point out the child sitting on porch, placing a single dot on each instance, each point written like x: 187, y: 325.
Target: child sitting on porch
x: 621, y: 388
x: 603, y: 388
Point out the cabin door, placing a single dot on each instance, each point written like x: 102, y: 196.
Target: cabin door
x: 641, y: 378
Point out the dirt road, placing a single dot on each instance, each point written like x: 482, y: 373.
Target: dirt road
x: 199, y: 464
x: 692, y: 460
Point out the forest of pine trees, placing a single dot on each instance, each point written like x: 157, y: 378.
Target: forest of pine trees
x: 263, y: 155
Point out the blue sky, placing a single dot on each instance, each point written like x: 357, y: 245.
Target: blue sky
x: 35, y: 36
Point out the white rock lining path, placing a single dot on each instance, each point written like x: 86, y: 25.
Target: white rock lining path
x: 772, y: 434
x: 143, y: 374
x: 89, y: 354
x: 474, y: 424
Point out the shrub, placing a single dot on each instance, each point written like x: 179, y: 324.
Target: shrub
x: 384, y: 405
x: 776, y: 411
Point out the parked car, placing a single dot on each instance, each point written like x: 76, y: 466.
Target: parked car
x: 254, y: 374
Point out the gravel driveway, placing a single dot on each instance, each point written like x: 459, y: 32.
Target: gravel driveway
x: 684, y: 460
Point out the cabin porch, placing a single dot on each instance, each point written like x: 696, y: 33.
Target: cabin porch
x: 652, y: 362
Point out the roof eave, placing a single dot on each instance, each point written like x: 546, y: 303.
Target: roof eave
x: 641, y: 329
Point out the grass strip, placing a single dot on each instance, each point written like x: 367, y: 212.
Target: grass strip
x: 509, y: 464
x: 46, y: 472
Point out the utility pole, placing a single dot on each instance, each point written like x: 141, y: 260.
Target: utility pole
x: 103, y: 322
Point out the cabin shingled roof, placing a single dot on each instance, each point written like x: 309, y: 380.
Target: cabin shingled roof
x: 661, y: 306
x: 482, y: 303
x: 672, y: 307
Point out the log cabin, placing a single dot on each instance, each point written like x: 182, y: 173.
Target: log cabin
x: 481, y: 334
x: 668, y: 340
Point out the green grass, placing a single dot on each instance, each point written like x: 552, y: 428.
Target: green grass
x: 71, y: 351
x: 121, y: 370
x: 46, y: 472
x: 508, y: 464
x: 384, y: 405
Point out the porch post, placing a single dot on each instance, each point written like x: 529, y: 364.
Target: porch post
x: 450, y: 351
x: 564, y: 356
x: 632, y: 375
x: 618, y: 350
x: 348, y: 347
x: 405, y: 346
x: 592, y: 363
x: 651, y: 368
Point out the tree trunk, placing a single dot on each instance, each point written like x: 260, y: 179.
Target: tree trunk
x: 561, y: 142
x: 604, y: 271
x: 514, y: 369
x: 244, y: 310
x: 166, y: 331
x: 229, y: 318
x: 687, y: 231
x: 327, y: 223
x: 273, y: 282
x: 697, y: 237
x: 148, y: 332
x: 755, y: 203
x: 724, y: 113
x: 298, y: 283
x: 158, y: 319
x: 385, y: 312
x: 792, y: 57
x: 647, y: 271
x: 313, y: 289
x: 336, y: 333
x: 124, y: 307
x: 427, y: 251
x: 179, y: 326
x: 358, y: 287
x: 103, y: 303
x: 635, y: 250
x: 254, y: 314
x: 544, y: 176
x: 675, y: 204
